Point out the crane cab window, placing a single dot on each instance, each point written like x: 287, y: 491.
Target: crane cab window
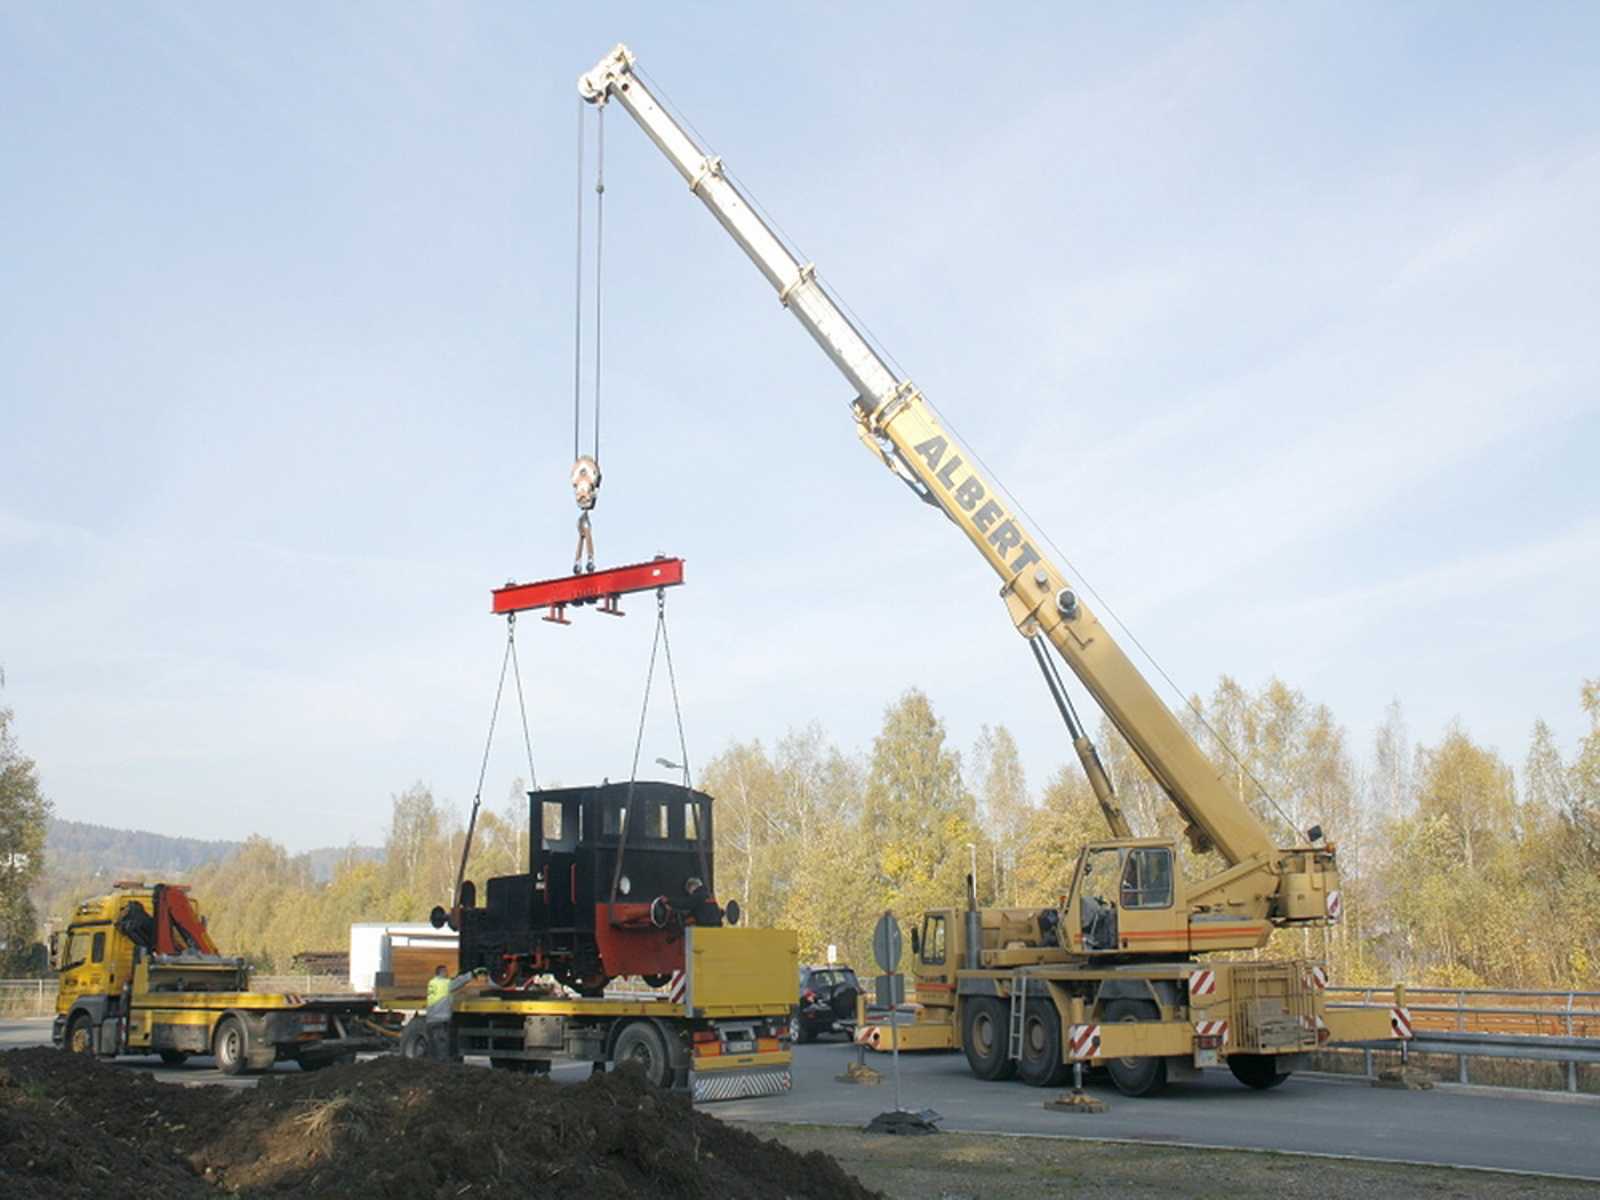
x: 933, y: 940
x: 1147, y: 878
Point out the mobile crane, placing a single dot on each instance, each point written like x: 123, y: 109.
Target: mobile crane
x: 1108, y: 974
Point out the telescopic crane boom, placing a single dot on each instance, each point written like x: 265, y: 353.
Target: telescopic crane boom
x: 902, y: 430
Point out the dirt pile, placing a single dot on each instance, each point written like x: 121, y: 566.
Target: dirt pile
x: 71, y: 1127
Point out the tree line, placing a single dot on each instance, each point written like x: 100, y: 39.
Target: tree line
x: 1458, y: 868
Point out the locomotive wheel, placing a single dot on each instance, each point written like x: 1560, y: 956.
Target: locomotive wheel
x: 658, y: 980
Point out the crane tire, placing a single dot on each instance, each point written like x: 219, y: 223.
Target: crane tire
x: 984, y: 1038
x: 1257, y: 1071
x: 1042, y: 1064
x: 1135, y: 1076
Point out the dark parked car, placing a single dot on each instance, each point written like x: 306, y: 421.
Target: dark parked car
x: 827, y: 1002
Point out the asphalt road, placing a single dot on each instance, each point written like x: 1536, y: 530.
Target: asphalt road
x: 1316, y: 1115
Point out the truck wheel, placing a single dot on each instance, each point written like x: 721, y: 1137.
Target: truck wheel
x: 174, y: 1058
x: 1258, y: 1071
x: 1135, y: 1076
x: 414, y: 1039
x: 799, y: 1032
x: 983, y: 1037
x: 80, y: 1035
x: 640, y: 1042
x: 229, y: 1044
x: 1041, y: 1064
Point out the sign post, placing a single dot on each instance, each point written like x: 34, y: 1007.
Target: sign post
x: 886, y: 948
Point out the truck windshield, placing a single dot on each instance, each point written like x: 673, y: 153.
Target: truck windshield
x: 78, y: 942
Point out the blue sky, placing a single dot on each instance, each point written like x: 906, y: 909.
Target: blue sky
x: 1279, y: 320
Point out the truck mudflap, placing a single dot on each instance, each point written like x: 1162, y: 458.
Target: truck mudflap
x: 733, y: 1082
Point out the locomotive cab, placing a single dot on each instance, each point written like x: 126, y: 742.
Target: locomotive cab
x: 615, y: 873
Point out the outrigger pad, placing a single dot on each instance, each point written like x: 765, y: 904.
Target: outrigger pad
x: 903, y: 1123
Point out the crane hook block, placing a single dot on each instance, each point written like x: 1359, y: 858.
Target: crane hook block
x: 605, y: 586
x: 585, y: 482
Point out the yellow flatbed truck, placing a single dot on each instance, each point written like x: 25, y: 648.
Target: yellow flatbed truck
x: 139, y: 974
x: 719, y: 1030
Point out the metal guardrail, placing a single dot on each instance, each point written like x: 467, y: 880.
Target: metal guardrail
x: 1540, y: 1026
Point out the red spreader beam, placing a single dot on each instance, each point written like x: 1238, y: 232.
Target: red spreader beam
x: 601, y: 586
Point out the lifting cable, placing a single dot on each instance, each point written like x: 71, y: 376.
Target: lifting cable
x: 660, y: 642
x: 586, y: 467
x: 509, y: 660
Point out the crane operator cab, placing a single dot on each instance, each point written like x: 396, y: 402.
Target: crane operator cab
x: 1125, y: 897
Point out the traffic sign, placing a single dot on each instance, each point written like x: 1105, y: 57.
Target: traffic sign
x: 886, y: 943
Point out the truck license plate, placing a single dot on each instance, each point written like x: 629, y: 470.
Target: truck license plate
x: 741, y: 1046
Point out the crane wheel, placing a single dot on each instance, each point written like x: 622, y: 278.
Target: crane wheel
x: 983, y: 1037
x: 1042, y: 1064
x: 1136, y: 1076
x: 230, y: 1045
x: 1257, y: 1071
x: 640, y: 1042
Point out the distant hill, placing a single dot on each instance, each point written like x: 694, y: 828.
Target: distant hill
x: 77, y: 849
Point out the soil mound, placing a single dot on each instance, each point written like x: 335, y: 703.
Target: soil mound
x: 72, y: 1127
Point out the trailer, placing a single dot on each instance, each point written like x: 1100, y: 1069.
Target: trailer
x: 717, y: 1030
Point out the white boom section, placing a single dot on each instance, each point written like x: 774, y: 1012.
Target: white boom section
x: 901, y: 429
x: 798, y: 289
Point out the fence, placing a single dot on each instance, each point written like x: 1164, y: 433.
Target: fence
x: 1560, y: 1027
x: 27, y: 997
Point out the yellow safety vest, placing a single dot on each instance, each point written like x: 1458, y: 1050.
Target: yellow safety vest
x: 438, y: 989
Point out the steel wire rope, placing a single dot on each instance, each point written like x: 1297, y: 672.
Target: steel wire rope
x: 577, y: 301
x: 599, y: 251
x: 488, y: 744
x: 522, y: 706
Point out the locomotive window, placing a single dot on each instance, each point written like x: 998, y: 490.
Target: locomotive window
x: 615, y: 820
x: 552, y: 821
x: 655, y: 819
x: 691, y: 821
